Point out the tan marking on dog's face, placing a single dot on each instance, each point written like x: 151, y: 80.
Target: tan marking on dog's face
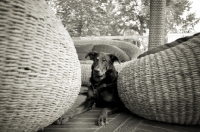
x: 102, y: 62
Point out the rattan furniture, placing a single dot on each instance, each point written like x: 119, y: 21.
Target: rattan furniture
x: 164, y: 86
x: 40, y: 75
x: 131, y: 50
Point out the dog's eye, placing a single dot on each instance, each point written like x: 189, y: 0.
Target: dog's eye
x: 104, y: 60
x: 96, y: 60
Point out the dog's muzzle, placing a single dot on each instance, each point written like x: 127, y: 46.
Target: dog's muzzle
x: 98, y: 73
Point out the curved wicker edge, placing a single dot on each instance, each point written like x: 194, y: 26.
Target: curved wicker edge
x: 39, y: 67
x: 164, y: 86
x: 131, y: 50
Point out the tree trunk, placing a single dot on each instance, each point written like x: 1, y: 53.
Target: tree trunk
x: 141, y: 32
x: 79, y: 28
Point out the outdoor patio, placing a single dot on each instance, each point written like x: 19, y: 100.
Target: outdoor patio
x: 41, y: 74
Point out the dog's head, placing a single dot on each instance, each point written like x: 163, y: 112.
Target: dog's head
x: 102, y: 62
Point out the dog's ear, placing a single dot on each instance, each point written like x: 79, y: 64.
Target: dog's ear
x: 114, y: 58
x: 91, y: 55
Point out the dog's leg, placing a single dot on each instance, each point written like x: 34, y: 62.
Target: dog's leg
x: 85, y: 106
x: 102, y: 121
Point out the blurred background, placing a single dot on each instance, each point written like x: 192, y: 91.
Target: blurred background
x: 126, y: 20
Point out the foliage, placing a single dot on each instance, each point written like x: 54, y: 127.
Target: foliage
x: 115, y: 17
x: 175, y: 11
x: 178, y: 19
x: 88, y: 17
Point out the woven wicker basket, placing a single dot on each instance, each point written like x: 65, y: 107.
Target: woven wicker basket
x: 40, y: 75
x: 164, y: 86
x: 132, y: 51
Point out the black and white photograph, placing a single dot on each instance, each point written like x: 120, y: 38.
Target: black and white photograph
x: 99, y: 65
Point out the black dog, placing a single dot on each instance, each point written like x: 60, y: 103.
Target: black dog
x: 103, y: 89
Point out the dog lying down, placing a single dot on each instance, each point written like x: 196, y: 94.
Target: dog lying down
x: 102, y: 91
x: 103, y: 88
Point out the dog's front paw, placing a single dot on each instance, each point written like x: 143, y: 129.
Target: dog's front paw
x: 102, y: 121
x: 64, y: 119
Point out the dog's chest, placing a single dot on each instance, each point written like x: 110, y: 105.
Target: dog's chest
x: 106, y: 96
x: 103, y: 92
x: 103, y: 95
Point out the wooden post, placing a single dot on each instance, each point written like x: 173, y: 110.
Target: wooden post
x: 157, y: 23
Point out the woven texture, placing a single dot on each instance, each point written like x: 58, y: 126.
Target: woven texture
x: 157, y: 23
x: 164, y: 86
x: 132, y: 51
x: 40, y: 74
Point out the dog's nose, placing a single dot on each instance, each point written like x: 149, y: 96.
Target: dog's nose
x: 97, y: 70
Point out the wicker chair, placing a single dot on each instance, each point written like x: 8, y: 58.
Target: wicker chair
x: 40, y: 75
x: 132, y: 51
x: 164, y: 86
